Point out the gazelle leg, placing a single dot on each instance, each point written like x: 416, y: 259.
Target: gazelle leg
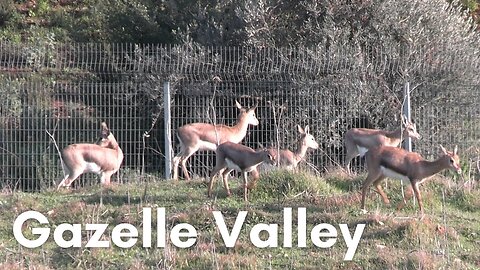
x: 212, y: 179
x: 245, y: 186
x: 105, y: 179
x: 68, y: 179
x: 183, y: 163
x: 347, y: 165
x: 210, y: 185
x: 416, y: 191
x: 187, y: 154
x: 378, y: 187
x: 63, y: 182
x: 176, y: 163
x: 351, y: 153
x: 225, y: 174
x: 371, y: 178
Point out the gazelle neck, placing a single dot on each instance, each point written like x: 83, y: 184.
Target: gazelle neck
x: 395, y: 134
x: 113, y: 144
x: 429, y: 168
x: 301, y: 151
x: 242, y: 124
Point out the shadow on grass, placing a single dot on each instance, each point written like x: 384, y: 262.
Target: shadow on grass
x: 346, y: 184
x: 63, y: 259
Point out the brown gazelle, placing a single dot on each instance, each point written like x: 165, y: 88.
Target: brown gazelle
x: 103, y: 158
x: 231, y: 156
x: 288, y: 159
x: 359, y: 140
x: 203, y: 136
x: 387, y: 161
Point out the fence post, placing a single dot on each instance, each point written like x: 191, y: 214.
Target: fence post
x: 168, y: 129
x: 407, y: 143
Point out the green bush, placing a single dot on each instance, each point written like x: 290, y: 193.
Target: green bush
x: 6, y: 10
x: 280, y: 184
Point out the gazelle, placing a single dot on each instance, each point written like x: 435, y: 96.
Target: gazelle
x: 288, y: 159
x: 202, y: 136
x: 103, y: 158
x: 231, y: 156
x: 359, y: 140
x: 387, y: 161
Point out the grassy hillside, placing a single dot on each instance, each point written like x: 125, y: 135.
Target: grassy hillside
x: 447, y: 237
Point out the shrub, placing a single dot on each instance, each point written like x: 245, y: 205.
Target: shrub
x: 281, y: 184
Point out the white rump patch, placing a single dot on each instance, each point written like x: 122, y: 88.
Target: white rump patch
x: 392, y: 174
x: 362, y: 150
x: 204, y: 145
x: 92, y: 167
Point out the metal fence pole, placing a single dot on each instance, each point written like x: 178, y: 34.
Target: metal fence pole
x: 407, y: 143
x: 168, y: 128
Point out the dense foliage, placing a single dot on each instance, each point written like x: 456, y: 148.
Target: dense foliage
x: 209, y: 22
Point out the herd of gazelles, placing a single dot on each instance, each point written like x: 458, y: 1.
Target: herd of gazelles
x: 383, y: 156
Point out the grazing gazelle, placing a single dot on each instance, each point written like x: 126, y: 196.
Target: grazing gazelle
x: 103, y: 158
x: 394, y: 162
x: 231, y: 156
x: 202, y: 136
x: 288, y: 159
x: 359, y: 140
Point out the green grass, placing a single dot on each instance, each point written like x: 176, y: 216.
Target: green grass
x: 447, y: 237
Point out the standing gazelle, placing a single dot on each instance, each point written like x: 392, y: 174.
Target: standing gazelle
x: 103, y: 158
x: 288, y: 159
x: 203, y: 136
x: 231, y: 156
x: 359, y: 140
x: 387, y: 161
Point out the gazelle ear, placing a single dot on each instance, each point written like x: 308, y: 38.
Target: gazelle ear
x: 300, y: 129
x: 238, y: 105
x: 405, y: 121
x: 443, y: 149
x: 272, y: 159
x: 307, y: 129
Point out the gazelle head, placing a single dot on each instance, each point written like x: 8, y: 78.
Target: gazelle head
x: 106, y: 138
x: 453, y: 159
x: 306, y: 138
x: 249, y: 114
x: 410, y: 129
x: 267, y: 157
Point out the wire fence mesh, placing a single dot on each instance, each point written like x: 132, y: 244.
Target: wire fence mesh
x: 68, y: 89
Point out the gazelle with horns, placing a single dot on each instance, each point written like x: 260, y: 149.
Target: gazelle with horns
x: 387, y: 161
x: 359, y: 140
x: 290, y: 160
x: 103, y: 158
x: 202, y: 136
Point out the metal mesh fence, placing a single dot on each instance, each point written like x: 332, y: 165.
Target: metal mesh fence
x: 449, y: 117
x: 70, y: 113
x: 68, y: 89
